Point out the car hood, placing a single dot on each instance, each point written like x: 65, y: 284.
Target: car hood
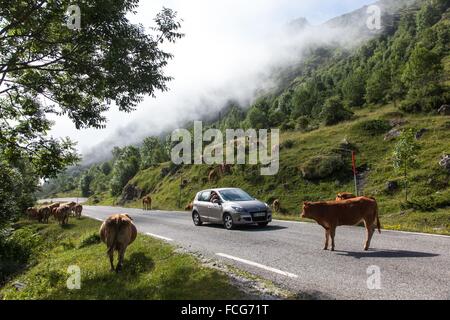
x: 251, y: 206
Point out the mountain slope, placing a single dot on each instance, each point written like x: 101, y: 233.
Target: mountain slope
x: 395, y: 81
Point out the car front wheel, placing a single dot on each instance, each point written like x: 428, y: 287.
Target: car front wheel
x: 228, y: 222
x: 196, y: 218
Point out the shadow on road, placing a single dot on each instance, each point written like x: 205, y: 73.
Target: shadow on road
x: 386, y: 254
x: 250, y: 228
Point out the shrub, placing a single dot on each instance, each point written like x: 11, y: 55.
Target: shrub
x: 373, y: 127
x: 288, y: 144
x: 321, y: 167
x: 302, y: 124
x: 90, y: 239
x: 16, y: 250
x: 288, y: 126
x: 334, y: 112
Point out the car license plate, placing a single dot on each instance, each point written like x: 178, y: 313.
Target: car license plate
x: 259, y: 214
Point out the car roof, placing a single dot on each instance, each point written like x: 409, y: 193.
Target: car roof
x: 218, y: 189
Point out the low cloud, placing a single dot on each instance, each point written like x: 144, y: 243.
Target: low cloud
x: 230, y: 51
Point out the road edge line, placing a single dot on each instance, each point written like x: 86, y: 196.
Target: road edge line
x: 258, y: 265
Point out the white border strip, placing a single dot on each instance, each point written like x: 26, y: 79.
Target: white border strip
x: 157, y: 236
x: 261, y: 266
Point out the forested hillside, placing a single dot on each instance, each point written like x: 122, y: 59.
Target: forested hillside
x: 366, y: 100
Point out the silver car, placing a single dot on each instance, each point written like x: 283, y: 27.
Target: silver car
x: 230, y: 207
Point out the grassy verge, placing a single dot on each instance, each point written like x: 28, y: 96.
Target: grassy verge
x: 152, y: 269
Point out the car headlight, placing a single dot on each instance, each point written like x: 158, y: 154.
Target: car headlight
x: 238, y: 209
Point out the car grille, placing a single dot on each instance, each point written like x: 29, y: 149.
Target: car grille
x: 257, y: 218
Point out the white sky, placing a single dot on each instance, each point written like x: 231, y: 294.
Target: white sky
x: 227, y: 43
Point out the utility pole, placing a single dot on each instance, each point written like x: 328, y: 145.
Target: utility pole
x: 354, y: 172
x: 179, y: 195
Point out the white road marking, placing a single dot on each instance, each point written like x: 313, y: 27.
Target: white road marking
x: 258, y: 265
x: 157, y: 236
x: 291, y: 221
x: 417, y: 233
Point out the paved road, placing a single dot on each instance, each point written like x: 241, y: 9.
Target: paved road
x: 77, y: 200
x: 412, y: 266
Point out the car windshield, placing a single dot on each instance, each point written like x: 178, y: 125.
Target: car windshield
x: 235, y: 195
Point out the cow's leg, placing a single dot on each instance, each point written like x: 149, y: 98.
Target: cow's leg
x: 327, y: 235
x: 370, y: 229
x: 111, y: 258
x: 332, y: 233
x: 121, y: 255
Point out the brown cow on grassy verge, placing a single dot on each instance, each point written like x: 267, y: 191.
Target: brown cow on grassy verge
x: 276, y: 205
x: 344, y: 196
x: 118, y: 232
x: 44, y: 214
x: 62, y: 214
x: 147, y: 203
x: 54, y: 205
x: 213, y: 175
x: 53, y: 208
x: 78, y: 209
x: 330, y: 214
x: 33, y: 213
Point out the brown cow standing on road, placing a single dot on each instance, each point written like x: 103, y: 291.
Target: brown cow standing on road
x: 147, y: 203
x: 330, y: 214
x: 118, y: 232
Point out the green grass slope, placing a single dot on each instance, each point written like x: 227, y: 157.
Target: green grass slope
x: 152, y: 270
x: 429, y: 184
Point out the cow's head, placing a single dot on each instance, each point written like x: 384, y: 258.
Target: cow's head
x: 305, y: 208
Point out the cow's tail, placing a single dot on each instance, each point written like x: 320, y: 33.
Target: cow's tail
x: 378, y: 218
x: 113, y: 227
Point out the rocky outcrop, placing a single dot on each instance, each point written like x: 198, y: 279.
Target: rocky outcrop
x: 392, y: 134
x: 391, y: 186
x: 130, y: 192
x: 444, y: 110
x: 420, y: 133
x: 445, y: 162
x: 398, y: 122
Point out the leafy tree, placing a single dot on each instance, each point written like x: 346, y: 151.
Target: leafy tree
x: 85, y: 185
x: 106, y: 168
x: 378, y: 85
x: 405, y: 155
x: 152, y: 152
x: 354, y: 89
x: 47, y: 68
x: 125, y: 168
x: 422, y: 75
x: 233, y: 118
x: 334, y: 111
x: 257, y: 118
x: 428, y: 15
